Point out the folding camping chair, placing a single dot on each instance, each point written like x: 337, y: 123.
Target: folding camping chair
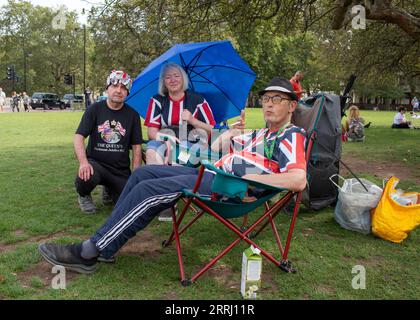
x: 231, y: 186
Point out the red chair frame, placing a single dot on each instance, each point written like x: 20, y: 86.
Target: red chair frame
x: 266, y: 218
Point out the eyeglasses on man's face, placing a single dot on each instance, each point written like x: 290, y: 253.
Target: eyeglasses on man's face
x: 274, y: 99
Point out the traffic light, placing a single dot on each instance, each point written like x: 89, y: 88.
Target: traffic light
x: 68, y: 79
x: 10, y: 72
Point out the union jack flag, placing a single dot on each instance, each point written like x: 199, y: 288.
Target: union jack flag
x: 120, y: 128
x: 103, y: 127
x: 154, y: 111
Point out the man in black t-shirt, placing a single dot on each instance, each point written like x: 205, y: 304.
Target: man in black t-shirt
x: 113, y: 128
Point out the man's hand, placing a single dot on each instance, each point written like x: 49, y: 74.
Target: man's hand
x: 240, y: 125
x: 85, y: 171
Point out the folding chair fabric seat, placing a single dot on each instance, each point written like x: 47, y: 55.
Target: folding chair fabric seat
x: 229, y: 210
x: 232, y: 186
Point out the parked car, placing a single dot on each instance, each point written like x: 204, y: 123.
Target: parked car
x: 100, y: 98
x: 70, y: 98
x: 46, y: 100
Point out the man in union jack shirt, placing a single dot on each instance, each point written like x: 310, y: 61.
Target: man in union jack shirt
x: 272, y: 156
x: 247, y: 152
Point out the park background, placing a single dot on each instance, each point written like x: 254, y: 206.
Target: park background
x: 37, y: 198
x: 329, y: 40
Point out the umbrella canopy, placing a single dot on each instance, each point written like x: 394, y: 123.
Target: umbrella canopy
x: 214, y: 69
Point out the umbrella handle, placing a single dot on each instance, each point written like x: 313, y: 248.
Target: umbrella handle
x: 183, y: 131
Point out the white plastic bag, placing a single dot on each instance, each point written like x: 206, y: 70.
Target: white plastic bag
x: 352, y: 210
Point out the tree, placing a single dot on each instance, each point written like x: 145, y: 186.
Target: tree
x: 27, y: 30
x: 385, y: 11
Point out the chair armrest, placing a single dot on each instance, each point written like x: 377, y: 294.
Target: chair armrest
x: 233, y: 186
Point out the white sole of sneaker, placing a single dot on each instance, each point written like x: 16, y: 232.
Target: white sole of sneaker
x: 110, y: 260
x: 165, y: 219
x: 74, y: 267
x: 89, y: 212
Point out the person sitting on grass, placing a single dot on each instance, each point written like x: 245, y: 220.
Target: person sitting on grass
x: 400, y: 122
x: 354, y: 127
x: 275, y: 155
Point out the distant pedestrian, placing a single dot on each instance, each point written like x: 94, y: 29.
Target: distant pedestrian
x: 15, y: 101
x: 26, y: 101
x: 2, y: 99
x: 88, y: 100
x: 295, y: 81
x: 415, y: 104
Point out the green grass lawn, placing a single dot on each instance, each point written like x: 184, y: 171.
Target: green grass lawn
x: 38, y: 201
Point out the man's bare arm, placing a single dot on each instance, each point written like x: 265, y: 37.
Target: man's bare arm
x: 223, y: 141
x: 85, y: 168
x: 294, y: 179
x: 136, y: 162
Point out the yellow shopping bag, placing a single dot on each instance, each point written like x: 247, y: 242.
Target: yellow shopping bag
x: 391, y: 220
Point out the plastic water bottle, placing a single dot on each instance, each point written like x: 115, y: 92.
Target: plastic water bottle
x: 402, y: 200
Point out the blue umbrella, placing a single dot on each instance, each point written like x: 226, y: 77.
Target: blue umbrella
x: 214, y: 69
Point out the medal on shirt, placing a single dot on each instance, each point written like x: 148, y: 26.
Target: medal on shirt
x: 269, y: 150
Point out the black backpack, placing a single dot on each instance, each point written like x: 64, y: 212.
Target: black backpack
x: 321, y: 112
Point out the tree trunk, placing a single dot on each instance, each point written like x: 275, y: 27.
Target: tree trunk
x: 378, y: 10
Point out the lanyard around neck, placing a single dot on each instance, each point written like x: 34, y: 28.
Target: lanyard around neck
x: 269, y: 150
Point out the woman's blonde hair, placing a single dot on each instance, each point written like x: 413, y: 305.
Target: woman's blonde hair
x: 163, y: 91
x: 354, y: 112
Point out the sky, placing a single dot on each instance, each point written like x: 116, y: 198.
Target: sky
x: 76, y: 5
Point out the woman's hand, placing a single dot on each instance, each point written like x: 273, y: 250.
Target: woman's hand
x: 187, y: 116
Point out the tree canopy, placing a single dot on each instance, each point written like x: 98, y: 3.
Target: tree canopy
x: 274, y: 37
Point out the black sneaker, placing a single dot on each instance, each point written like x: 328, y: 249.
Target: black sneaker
x: 67, y: 256
x: 86, y: 204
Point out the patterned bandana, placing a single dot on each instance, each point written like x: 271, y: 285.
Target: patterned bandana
x: 118, y: 76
